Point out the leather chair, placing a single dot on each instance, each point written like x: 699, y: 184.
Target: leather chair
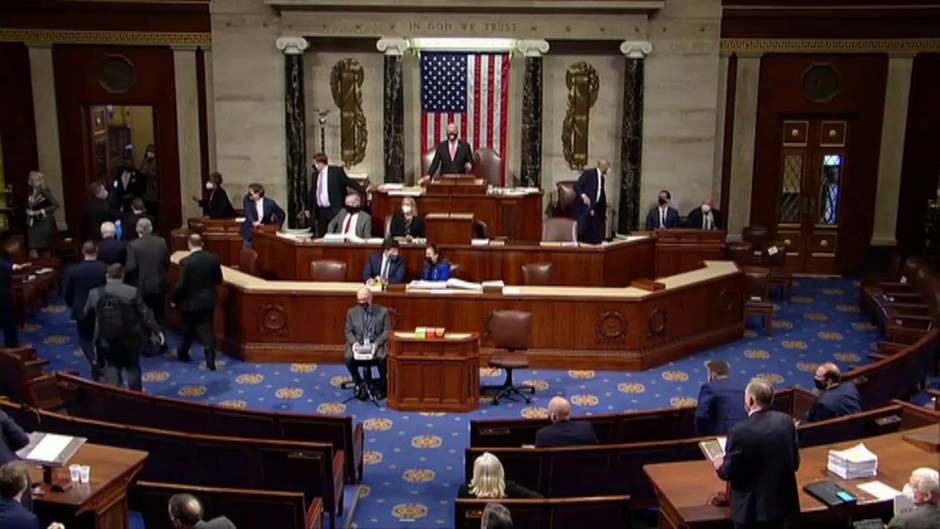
x: 755, y: 234
x: 248, y: 261
x: 511, y: 331
x: 559, y: 229
x: 566, y: 197
x: 756, y: 292
x: 426, y: 160
x: 537, y: 274
x: 740, y: 252
x: 328, y: 270
x: 489, y: 166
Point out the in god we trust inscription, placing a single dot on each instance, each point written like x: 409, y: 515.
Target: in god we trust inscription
x: 449, y: 26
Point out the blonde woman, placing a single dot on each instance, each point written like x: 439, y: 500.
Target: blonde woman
x: 489, y: 481
x: 40, y: 223
x: 406, y: 222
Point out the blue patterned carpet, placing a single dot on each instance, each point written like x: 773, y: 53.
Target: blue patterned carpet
x: 414, y: 460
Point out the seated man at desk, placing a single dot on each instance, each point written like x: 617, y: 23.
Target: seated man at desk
x: 406, y: 222
x: 452, y: 156
x: 924, y: 489
x: 367, y: 326
x: 385, y: 268
x: 436, y: 268
x: 836, y: 398
x: 351, y: 221
x: 704, y: 217
x: 663, y: 217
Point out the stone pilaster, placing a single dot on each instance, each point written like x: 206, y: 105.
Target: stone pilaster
x: 295, y: 122
x: 187, y: 128
x: 394, y: 152
x: 747, y: 87
x: 631, y: 133
x: 47, y: 125
x: 532, y: 50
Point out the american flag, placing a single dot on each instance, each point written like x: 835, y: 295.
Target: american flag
x: 470, y: 90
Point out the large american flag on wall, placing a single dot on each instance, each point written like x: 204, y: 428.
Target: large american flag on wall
x: 470, y: 90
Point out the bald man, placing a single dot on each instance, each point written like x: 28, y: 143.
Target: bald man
x: 452, y: 156
x: 836, y: 398
x: 563, y: 431
x: 186, y: 513
x: 367, y: 324
x: 591, y: 205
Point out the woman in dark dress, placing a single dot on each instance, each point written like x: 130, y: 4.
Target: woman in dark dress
x: 217, y: 204
x: 406, y: 222
x: 40, y: 223
x: 489, y: 481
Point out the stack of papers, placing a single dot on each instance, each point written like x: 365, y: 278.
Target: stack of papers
x: 853, y: 463
x: 453, y: 282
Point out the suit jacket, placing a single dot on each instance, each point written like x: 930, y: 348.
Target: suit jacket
x: 129, y: 225
x: 148, y: 261
x: 587, y: 184
x: 448, y: 165
x: 396, y: 269
x: 14, y: 516
x: 80, y: 279
x: 111, y: 251
x: 12, y: 438
x: 355, y: 330
x: 565, y: 433
x: 337, y: 184
x: 94, y: 213
x: 127, y: 293
x: 363, y: 228
x: 217, y: 205
x: 200, y: 274
x: 672, y: 219
x: 397, y: 227
x: 216, y: 523
x: 695, y: 219
x: 924, y: 516
x: 441, y: 272
x: 720, y: 406
x: 843, y: 399
x: 273, y: 214
x: 761, y: 460
x: 122, y: 195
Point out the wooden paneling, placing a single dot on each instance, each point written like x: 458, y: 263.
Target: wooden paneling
x: 860, y: 102
x: 189, y: 17
x: 834, y: 19
x: 77, y: 87
x: 434, y: 375
x: 680, y: 251
x: 17, y: 126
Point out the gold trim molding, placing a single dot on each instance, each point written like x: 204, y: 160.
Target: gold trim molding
x: 124, y: 38
x: 829, y: 45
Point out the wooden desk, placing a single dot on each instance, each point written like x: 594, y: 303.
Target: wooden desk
x: 449, y: 228
x: 517, y: 217
x: 101, y: 504
x: 681, y: 250
x: 683, y: 489
x: 221, y: 237
x: 434, y: 374
x: 611, y: 265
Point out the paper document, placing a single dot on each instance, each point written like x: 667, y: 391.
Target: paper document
x: 464, y: 285
x: 405, y: 193
x: 879, y: 490
x: 497, y: 283
x: 512, y: 291
x: 421, y: 284
x: 49, y: 448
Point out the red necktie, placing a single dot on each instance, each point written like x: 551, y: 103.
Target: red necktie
x: 348, y: 222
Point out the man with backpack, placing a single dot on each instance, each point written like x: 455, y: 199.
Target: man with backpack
x: 124, y: 326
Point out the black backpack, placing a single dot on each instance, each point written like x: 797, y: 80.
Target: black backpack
x: 118, y: 321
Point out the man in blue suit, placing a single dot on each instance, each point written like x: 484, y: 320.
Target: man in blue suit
x: 259, y: 210
x: 591, y: 205
x: 386, y: 267
x: 836, y: 398
x: 12, y: 438
x: 719, y: 401
x: 79, y: 280
x: 563, y: 431
x: 664, y: 216
x: 14, y: 480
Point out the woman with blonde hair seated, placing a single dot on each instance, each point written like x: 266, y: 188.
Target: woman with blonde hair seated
x: 489, y: 481
x: 406, y: 222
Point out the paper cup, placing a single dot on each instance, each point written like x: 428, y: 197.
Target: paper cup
x: 85, y: 474
x: 75, y: 472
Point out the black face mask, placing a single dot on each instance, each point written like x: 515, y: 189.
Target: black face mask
x: 662, y: 201
x: 352, y: 210
x: 364, y: 306
x: 820, y: 384
x: 431, y: 260
x: 452, y: 137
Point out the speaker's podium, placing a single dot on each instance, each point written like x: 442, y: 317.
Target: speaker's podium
x: 457, y: 184
x: 449, y: 228
x: 434, y: 374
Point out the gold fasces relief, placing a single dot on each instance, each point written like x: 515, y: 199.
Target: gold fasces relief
x: 583, y: 85
x: 346, y: 84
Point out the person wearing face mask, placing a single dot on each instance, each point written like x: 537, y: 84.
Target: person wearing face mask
x: 259, y: 210
x: 216, y: 204
x: 452, y: 156
x: 386, y: 268
x: 760, y: 461
x: 128, y: 184
x: 591, y: 206
x: 704, y: 217
x: 436, y: 268
x: 96, y: 211
x: 330, y: 186
x: 923, y: 488
x: 719, y: 401
x: 367, y: 327
x: 351, y: 221
x: 663, y: 216
x: 836, y: 398
x: 406, y: 222
x: 563, y: 431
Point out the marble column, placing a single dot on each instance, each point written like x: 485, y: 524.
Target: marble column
x: 394, y: 124
x: 295, y: 124
x: 532, y: 50
x: 747, y: 87
x: 187, y: 128
x: 631, y: 133
x: 46, y: 117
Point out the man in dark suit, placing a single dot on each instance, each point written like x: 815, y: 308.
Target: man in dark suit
x: 452, y: 156
x: 129, y: 220
x: 129, y: 184
x: 14, y: 483
x: 111, y: 250
x: 13, y: 438
x: 195, y: 294
x: 925, y: 493
x: 351, y: 221
x: 719, y: 401
x: 186, y: 513
x: 77, y: 282
x: 367, y: 327
x: 259, y: 210
x: 329, y: 190
x: 148, y: 263
x: 836, y: 398
x: 704, y: 217
x: 664, y: 216
x: 563, y: 431
x: 591, y: 204
x: 761, y: 458
x: 96, y: 211
x: 386, y: 267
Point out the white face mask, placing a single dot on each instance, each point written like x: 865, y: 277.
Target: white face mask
x: 150, y: 155
x: 406, y: 210
x: 706, y: 208
x: 210, y: 186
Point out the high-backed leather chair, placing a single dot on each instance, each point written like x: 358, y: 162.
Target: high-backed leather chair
x: 511, y: 331
x: 481, y: 230
x: 426, y: 160
x: 328, y: 270
x: 559, y: 229
x: 248, y: 261
x: 564, y: 206
x: 537, y: 274
x: 15, y: 248
x: 755, y: 234
x: 740, y: 252
x: 489, y: 166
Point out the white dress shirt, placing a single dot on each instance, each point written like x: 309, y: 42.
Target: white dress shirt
x: 383, y: 272
x: 708, y: 221
x: 259, y: 207
x: 600, y: 186
x: 662, y: 216
x: 323, y: 194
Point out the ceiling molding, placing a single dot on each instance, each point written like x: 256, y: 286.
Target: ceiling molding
x: 737, y: 45
x: 124, y: 38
